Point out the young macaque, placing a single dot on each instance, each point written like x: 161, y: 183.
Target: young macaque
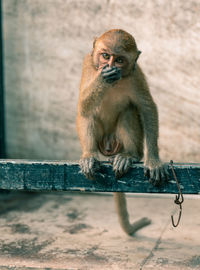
x: 116, y: 113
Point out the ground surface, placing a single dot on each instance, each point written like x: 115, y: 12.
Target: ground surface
x: 81, y: 231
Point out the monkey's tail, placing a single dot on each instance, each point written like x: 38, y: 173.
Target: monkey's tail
x: 123, y: 216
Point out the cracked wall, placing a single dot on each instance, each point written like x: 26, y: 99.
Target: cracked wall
x: 45, y: 42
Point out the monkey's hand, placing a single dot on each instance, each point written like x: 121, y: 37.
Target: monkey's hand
x: 112, y: 74
x: 156, y: 171
x: 122, y: 163
x: 89, y: 167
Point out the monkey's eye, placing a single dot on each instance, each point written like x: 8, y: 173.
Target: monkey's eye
x: 119, y: 60
x: 106, y: 56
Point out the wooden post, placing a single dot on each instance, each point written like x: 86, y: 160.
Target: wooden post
x: 66, y: 176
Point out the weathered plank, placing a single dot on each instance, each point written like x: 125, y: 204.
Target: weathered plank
x: 66, y: 176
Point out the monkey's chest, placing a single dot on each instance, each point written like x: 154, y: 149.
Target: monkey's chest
x: 110, y: 108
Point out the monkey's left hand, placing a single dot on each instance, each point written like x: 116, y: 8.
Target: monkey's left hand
x: 156, y: 171
x: 111, y: 74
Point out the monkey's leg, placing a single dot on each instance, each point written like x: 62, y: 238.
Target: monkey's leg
x: 130, y: 134
x: 121, y: 207
x: 88, y: 130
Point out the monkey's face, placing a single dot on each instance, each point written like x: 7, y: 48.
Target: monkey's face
x: 112, y: 55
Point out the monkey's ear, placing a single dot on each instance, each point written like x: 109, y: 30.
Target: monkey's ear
x: 138, y: 54
x: 94, y: 42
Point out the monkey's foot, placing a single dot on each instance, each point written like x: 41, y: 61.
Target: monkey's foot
x: 122, y: 163
x: 157, y: 173
x: 89, y: 167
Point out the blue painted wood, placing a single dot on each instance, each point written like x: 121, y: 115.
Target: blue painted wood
x: 66, y: 176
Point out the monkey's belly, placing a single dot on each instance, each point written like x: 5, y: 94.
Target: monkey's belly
x: 109, y: 145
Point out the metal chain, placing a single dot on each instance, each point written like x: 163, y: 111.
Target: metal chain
x: 177, y: 200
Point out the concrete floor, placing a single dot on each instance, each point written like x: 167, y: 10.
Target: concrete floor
x: 76, y: 231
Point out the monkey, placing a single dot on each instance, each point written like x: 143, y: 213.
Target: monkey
x: 117, y: 116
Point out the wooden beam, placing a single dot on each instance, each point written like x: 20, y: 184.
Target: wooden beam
x: 66, y: 176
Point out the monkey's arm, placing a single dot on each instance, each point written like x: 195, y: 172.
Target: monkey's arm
x: 95, y: 82
x: 92, y: 86
x: 154, y: 168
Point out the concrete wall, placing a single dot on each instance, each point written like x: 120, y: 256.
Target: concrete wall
x: 45, y: 42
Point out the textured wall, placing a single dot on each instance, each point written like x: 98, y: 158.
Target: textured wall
x: 45, y: 42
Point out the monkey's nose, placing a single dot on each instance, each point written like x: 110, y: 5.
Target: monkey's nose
x: 111, y: 62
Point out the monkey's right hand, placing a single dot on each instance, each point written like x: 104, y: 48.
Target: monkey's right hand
x: 111, y: 74
x: 89, y: 167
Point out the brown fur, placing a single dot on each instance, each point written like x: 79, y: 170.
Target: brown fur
x: 115, y: 118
